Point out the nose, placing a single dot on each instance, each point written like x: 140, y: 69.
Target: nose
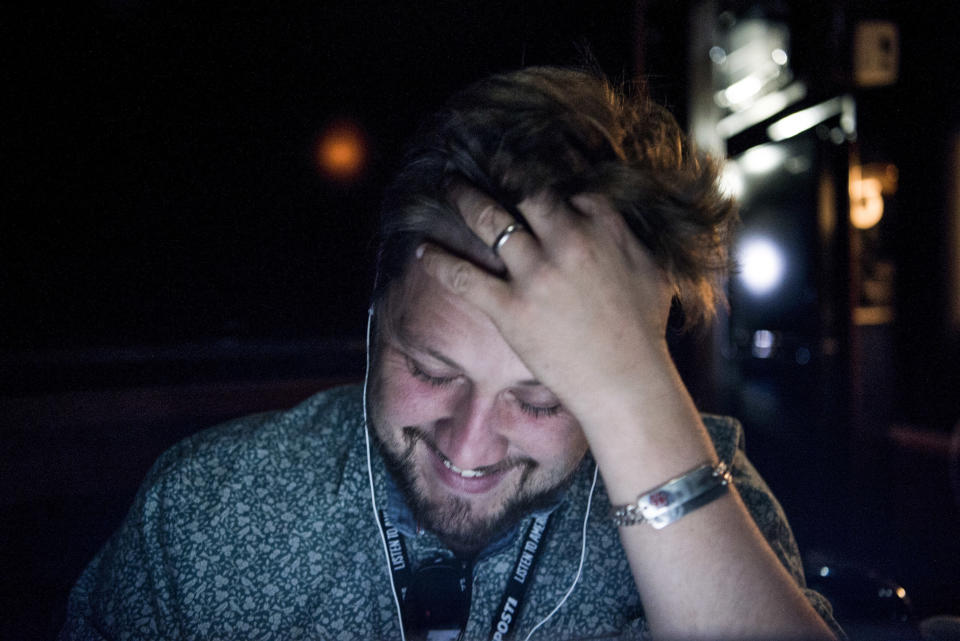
x: 472, y: 435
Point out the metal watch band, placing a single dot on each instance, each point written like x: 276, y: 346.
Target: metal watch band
x: 668, y: 502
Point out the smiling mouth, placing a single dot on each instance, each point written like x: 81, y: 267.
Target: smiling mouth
x: 413, y: 434
x: 467, y: 474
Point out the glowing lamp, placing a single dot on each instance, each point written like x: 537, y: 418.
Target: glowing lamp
x: 342, y: 151
x: 868, y: 185
x: 761, y: 264
x: 866, y: 203
x: 761, y: 159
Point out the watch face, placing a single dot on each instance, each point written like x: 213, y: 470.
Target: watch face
x: 438, y: 602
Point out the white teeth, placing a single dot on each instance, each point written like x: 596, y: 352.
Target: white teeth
x: 467, y: 474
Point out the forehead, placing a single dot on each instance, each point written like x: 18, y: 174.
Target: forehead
x: 417, y: 306
x: 423, y: 319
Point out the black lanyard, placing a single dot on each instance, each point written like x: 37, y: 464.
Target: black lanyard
x: 399, y: 561
x: 514, y: 593
x: 520, y: 579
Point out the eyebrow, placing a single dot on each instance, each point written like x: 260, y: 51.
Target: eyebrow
x: 411, y: 343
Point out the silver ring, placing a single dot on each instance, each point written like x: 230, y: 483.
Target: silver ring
x: 504, y: 236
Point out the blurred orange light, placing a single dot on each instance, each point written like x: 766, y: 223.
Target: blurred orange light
x: 342, y: 151
x: 866, y: 203
x: 868, y: 185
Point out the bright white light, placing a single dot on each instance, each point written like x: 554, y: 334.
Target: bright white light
x: 779, y: 56
x: 731, y: 179
x: 848, y: 115
x: 761, y: 159
x: 763, y: 343
x: 761, y: 264
x: 798, y: 122
x: 763, y: 108
x: 718, y: 55
x: 743, y: 90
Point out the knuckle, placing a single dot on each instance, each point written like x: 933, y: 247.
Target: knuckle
x: 578, y: 251
x: 486, y: 219
x: 461, y: 278
x: 429, y: 262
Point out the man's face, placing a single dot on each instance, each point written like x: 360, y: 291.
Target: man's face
x: 474, y: 439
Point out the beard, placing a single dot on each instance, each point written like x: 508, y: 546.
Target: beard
x: 454, y: 519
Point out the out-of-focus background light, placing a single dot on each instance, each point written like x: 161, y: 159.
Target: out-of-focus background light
x: 742, y: 90
x: 761, y: 159
x: 731, y: 179
x: 342, y: 151
x: 762, y: 108
x: 752, y: 65
x: 761, y: 265
x: 866, y: 203
x: 763, y: 343
x: 805, y: 119
x: 868, y: 185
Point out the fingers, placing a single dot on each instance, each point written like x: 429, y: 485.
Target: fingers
x: 559, y: 230
x: 593, y: 205
x: 464, y: 279
x: 550, y: 217
x: 511, y: 241
x: 483, y: 214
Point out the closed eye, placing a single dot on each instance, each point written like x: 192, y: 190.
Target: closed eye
x: 537, y: 411
x: 436, y: 381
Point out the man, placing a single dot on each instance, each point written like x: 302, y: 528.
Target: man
x: 531, y: 249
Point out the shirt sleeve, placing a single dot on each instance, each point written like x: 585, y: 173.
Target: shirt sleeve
x: 126, y: 591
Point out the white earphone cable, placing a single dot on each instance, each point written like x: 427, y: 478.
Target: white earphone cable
x: 373, y: 495
x: 583, y: 554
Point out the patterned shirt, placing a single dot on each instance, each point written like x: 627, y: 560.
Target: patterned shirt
x: 263, y: 528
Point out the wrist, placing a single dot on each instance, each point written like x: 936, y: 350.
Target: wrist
x: 670, y: 501
x: 642, y: 436
x: 625, y: 385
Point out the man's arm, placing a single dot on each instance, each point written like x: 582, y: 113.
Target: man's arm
x: 123, y: 593
x: 585, y: 307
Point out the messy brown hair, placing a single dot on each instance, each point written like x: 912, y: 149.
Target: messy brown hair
x: 568, y: 131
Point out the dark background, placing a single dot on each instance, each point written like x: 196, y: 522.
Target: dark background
x: 171, y: 256
x: 163, y: 185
